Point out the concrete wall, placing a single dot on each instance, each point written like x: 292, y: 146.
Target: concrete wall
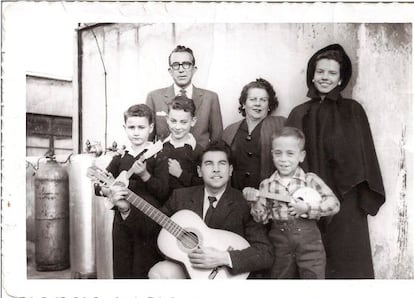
x: 228, y: 56
x: 49, y: 95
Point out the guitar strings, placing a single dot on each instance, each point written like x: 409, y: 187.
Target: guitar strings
x: 187, y: 238
x: 193, y: 240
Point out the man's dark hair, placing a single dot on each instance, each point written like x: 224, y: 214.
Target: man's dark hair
x: 217, y: 146
x: 181, y: 49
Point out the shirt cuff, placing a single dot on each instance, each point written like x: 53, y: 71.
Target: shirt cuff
x: 124, y: 215
x: 229, y: 262
x: 315, y: 211
x: 108, y: 203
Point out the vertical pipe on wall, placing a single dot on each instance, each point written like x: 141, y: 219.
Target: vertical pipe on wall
x: 105, y: 88
x: 174, y: 37
x: 77, y: 87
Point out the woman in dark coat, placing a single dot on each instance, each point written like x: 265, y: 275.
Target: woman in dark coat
x: 250, y: 138
x: 341, y: 151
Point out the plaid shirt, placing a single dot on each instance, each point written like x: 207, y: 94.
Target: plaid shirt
x: 265, y: 209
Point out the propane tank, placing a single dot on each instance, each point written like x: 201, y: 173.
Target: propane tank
x: 82, y: 215
x: 103, y: 222
x: 51, y: 216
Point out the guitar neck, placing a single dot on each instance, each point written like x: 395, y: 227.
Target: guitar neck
x: 155, y: 214
x: 130, y: 172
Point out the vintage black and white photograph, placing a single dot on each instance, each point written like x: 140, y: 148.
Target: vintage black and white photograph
x: 225, y: 148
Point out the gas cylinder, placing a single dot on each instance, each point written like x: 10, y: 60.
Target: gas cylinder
x: 51, y: 217
x: 103, y: 221
x: 86, y: 217
x: 82, y: 218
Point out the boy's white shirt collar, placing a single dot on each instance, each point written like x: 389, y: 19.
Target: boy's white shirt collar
x: 188, y: 90
x: 190, y: 140
x: 134, y: 153
x: 299, y: 174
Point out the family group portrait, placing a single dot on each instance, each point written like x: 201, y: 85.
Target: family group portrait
x: 260, y: 151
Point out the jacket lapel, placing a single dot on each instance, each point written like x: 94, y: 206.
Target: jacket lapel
x: 169, y: 94
x: 223, y: 210
x: 197, y: 97
x: 197, y: 200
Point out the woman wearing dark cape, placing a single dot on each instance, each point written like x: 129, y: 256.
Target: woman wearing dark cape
x: 341, y: 151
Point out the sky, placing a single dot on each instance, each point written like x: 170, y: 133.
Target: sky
x: 47, y: 34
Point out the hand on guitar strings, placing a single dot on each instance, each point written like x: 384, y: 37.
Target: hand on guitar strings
x: 209, y: 258
x: 297, y: 207
x: 117, y: 194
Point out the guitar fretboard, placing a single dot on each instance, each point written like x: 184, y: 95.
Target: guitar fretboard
x: 156, y: 215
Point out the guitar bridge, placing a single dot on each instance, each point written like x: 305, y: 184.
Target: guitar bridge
x: 213, y: 273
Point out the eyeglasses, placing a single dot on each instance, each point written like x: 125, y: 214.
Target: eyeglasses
x: 185, y: 65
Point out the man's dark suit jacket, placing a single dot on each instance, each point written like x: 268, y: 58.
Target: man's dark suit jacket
x: 232, y: 214
x: 209, y: 125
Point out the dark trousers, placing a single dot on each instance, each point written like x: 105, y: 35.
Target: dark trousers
x: 133, y: 255
x: 299, y: 251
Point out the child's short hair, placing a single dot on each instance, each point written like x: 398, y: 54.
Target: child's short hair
x: 182, y: 103
x: 140, y: 110
x: 288, y: 131
x: 217, y: 146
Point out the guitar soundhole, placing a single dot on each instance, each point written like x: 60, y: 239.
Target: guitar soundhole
x: 189, y: 240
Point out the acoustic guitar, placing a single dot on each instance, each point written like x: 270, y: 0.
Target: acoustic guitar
x: 182, y: 233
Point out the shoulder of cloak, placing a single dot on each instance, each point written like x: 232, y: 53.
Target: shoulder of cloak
x: 296, y: 115
x: 368, y: 179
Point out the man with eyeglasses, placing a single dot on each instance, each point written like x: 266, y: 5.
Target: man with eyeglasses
x: 182, y: 67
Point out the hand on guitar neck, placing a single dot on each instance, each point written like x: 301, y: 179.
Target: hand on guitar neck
x: 117, y: 191
x: 297, y: 204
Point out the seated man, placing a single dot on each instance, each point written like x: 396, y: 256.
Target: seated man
x: 221, y: 207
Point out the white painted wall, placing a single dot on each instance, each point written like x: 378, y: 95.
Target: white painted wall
x: 230, y: 55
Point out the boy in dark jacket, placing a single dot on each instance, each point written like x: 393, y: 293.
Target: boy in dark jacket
x: 180, y: 146
x: 134, y: 234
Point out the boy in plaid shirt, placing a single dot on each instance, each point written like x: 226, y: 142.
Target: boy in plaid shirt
x: 298, y: 247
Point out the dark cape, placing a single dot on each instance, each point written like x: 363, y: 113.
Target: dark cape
x: 340, y: 149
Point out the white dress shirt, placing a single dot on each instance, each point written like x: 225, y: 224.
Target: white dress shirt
x: 206, y: 202
x: 188, y: 90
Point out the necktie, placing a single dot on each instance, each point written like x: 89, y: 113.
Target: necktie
x: 210, y: 210
x: 183, y: 92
